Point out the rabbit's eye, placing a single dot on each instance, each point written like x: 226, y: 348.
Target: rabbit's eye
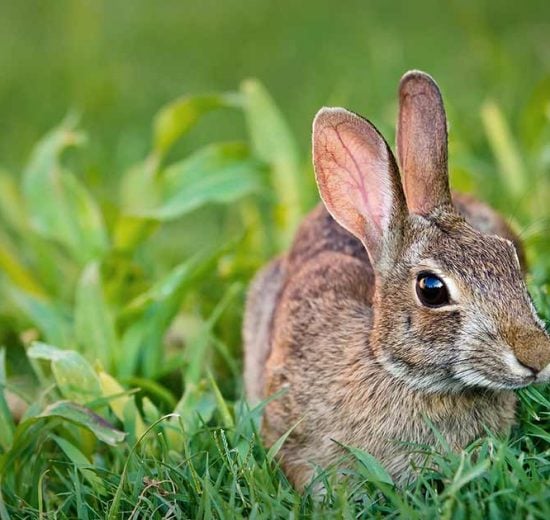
x: 431, y: 290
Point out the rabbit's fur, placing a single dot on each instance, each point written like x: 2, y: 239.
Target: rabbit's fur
x: 336, y: 322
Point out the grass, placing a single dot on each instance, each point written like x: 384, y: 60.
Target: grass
x: 124, y: 260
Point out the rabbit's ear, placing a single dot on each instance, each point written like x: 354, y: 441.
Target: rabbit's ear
x: 422, y: 144
x: 358, y: 178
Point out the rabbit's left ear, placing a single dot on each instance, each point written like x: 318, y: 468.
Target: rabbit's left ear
x: 422, y: 144
x: 358, y: 180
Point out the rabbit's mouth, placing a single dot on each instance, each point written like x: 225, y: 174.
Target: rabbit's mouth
x: 497, y: 372
x: 475, y: 366
x: 543, y: 376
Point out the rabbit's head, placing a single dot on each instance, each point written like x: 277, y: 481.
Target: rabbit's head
x: 451, y: 309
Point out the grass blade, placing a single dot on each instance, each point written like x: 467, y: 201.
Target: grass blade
x: 505, y: 149
x: 94, y: 323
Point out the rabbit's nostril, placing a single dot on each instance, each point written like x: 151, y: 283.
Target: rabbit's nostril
x: 531, y: 368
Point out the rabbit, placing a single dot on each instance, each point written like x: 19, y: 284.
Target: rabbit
x: 399, y: 304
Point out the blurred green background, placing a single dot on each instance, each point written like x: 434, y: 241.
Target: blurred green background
x: 117, y: 61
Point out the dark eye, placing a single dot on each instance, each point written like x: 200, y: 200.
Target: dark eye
x: 431, y: 290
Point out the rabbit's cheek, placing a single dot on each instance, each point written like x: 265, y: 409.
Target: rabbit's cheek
x: 419, y: 355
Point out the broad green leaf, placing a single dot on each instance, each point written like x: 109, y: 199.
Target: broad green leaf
x: 56, y: 271
x: 74, y: 376
x: 94, y: 323
x: 505, y: 149
x: 274, y: 144
x: 110, y: 387
x: 535, y: 116
x: 139, y: 190
x: 7, y: 426
x: 81, y: 462
x: 52, y: 321
x: 82, y: 416
x: 59, y: 206
x: 369, y: 467
x: 30, y: 428
x: 178, y: 117
x: 220, y: 173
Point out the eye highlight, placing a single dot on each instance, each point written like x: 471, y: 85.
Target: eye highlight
x: 431, y: 290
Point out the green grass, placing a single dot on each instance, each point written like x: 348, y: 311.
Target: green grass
x: 125, y: 250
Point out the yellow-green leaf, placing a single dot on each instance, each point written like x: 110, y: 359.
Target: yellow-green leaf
x: 273, y: 143
x: 505, y: 149
x: 75, y: 377
x: 123, y: 405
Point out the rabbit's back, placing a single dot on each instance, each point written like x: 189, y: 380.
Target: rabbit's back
x: 317, y: 238
x: 261, y: 302
x: 320, y: 233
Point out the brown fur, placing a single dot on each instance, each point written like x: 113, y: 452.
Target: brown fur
x: 338, y: 327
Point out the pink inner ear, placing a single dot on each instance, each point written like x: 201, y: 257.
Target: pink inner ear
x: 352, y: 172
x: 422, y: 143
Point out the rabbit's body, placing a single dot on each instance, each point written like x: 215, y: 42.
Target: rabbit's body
x: 336, y: 324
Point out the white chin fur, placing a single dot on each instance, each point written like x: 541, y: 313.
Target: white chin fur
x: 544, y: 375
x: 515, y: 367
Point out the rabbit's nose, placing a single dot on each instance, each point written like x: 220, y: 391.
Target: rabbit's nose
x: 535, y: 370
x: 532, y: 350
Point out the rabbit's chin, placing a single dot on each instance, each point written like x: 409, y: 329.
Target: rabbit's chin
x: 504, y: 374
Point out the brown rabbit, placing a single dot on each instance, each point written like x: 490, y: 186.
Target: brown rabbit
x: 399, y: 303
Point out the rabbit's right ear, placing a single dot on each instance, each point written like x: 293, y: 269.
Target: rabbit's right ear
x: 422, y: 143
x: 358, y: 179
